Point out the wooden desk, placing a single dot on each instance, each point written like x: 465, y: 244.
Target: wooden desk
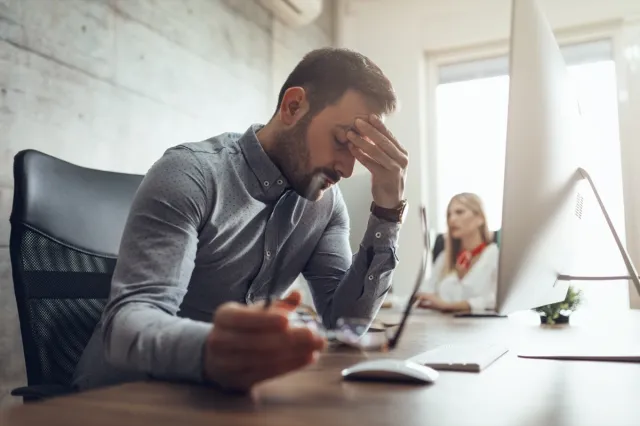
x: 513, y: 391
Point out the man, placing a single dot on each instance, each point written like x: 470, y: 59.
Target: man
x: 212, y: 221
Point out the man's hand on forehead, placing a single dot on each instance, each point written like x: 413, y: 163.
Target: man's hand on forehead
x: 375, y: 147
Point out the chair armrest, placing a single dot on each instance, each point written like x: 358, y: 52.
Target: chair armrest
x: 38, y: 392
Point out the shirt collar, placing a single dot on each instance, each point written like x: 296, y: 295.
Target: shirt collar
x: 268, y: 177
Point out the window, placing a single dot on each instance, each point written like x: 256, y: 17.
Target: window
x: 471, y: 122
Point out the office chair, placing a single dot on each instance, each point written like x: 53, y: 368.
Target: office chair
x: 66, y: 225
x: 438, y: 245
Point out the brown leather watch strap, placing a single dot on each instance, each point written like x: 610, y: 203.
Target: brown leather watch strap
x: 391, y: 215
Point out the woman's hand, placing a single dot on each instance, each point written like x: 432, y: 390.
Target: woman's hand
x: 435, y: 302
x: 432, y: 301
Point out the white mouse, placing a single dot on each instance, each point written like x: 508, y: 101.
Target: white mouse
x: 396, y: 370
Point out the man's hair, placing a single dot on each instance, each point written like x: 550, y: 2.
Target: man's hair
x: 327, y: 73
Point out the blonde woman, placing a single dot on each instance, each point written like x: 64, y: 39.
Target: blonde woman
x: 464, y: 275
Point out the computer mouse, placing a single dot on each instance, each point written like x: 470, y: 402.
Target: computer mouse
x: 395, y: 370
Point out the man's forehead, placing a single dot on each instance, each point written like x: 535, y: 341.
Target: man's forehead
x: 351, y: 125
x: 353, y: 105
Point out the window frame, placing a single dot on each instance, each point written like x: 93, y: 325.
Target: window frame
x: 434, y: 60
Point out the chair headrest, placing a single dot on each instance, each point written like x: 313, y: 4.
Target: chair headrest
x: 83, y: 207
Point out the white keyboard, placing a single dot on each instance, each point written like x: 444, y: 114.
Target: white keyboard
x: 460, y: 357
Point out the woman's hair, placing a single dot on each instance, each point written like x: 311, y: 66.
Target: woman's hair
x: 452, y: 246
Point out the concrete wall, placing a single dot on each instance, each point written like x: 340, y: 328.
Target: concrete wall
x: 111, y: 84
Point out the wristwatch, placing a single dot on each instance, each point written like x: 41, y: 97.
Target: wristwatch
x: 396, y: 214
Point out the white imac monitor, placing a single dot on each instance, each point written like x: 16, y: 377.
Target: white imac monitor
x: 543, y: 179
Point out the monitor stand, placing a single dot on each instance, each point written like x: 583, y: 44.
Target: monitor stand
x: 593, y: 352
x: 631, y: 270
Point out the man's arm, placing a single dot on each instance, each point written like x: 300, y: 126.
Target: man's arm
x: 342, y: 288
x: 157, y: 253
x: 346, y: 287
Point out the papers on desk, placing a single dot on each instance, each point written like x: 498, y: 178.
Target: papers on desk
x: 586, y: 353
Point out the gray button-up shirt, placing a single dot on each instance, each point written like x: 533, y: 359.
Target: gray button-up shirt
x: 207, y: 225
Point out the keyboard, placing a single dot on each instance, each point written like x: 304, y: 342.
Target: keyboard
x: 461, y: 357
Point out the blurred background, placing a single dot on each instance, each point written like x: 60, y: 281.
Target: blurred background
x: 111, y: 84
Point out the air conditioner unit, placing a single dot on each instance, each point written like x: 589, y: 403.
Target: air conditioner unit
x: 294, y: 13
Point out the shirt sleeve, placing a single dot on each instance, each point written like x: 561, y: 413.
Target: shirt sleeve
x: 346, y: 285
x: 141, y: 331
x: 488, y: 285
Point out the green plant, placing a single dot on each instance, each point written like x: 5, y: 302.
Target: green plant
x: 551, y: 312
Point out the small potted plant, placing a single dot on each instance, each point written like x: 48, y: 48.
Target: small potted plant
x: 558, y: 313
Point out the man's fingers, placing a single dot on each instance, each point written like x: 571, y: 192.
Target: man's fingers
x: 370, y: 149
x: 364, y: 159
x: 240, y: 317
x: 241, y: 369
x: 299, y: 339
x: 288, y: 304
x: 382, y: 142
x: 379, y: 125
x: 291, y: 302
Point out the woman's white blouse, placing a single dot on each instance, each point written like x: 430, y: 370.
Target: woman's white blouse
x: 478, y: 287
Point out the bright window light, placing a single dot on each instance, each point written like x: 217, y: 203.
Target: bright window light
x: 471, y: 121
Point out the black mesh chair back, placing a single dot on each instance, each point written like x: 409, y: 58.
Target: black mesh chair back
x: 66, y: 226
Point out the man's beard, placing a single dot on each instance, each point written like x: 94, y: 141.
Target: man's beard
x: 291, y: 154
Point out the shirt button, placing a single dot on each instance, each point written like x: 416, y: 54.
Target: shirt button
x: 279, y: 181
x: 268, y: 253
x: 370, y: 277
x: 266, y: 183
x: 378, y: 234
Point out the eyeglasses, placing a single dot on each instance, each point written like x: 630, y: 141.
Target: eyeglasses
x: 363, y: 333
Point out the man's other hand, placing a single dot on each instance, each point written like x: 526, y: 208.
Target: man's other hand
x: 250, y: 344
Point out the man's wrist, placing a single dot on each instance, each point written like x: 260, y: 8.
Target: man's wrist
x: 381, y: 233
x: 395, y: 214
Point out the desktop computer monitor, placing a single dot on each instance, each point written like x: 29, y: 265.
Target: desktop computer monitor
x: 543, y: 182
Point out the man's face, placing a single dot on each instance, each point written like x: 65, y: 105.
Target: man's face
x: 313, y: 152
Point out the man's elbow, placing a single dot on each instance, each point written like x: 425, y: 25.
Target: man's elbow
x: 116, y: 330
x: 107, y: 333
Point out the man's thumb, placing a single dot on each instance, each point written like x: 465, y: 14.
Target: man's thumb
x: 291, y: 302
